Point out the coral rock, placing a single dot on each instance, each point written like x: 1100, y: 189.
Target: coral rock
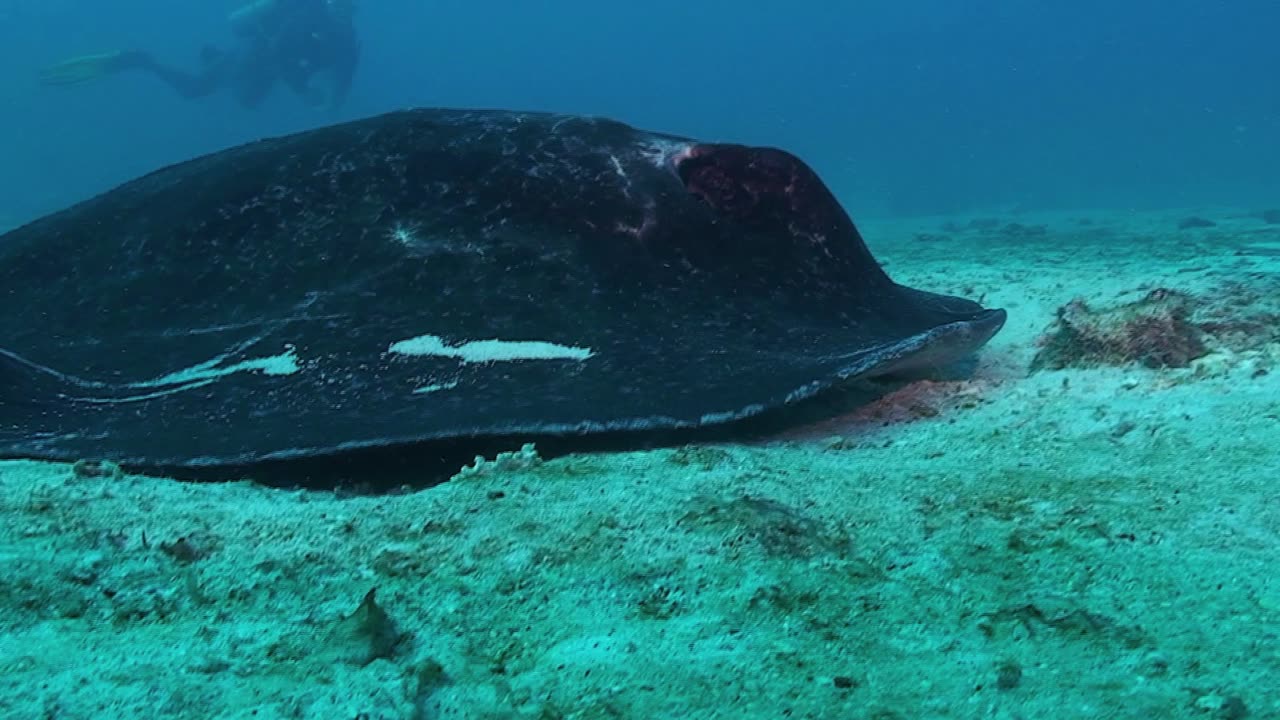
x: 1155, y: 331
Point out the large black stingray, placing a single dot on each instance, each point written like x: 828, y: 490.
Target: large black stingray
x: 437, y: 274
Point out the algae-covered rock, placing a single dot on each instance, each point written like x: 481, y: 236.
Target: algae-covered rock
x: 1233, y: 324
x: 1155, y: 331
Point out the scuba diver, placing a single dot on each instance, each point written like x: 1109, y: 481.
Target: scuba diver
x: 286, y: 41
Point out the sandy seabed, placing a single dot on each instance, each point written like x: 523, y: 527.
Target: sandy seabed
x: 1096, y: 542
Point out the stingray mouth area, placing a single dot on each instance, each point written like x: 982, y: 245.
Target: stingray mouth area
x: 976, y: 331
x: 940, y: 346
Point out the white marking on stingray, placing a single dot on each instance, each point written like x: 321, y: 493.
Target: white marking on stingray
x: 437, y: 387
x: 622, y: 174
x: 198, y: 376
x: 285, y: 363
x: 144, y: 396
x: 617, y: 166
x: 406, y: 235
x: 484, y: 351
x: 663, y: 152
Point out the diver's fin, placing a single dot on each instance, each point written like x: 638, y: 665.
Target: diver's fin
x: 87, y: 68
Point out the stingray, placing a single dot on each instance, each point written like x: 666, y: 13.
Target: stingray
x: 439, y: 275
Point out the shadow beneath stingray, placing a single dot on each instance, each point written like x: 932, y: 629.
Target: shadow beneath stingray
x: 408, y: 467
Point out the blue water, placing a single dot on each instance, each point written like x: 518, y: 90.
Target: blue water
x: 905, y: 107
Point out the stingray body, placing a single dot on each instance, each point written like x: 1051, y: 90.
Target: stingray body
x: 436, y: 274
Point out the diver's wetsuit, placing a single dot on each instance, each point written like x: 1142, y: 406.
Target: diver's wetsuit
x: 313, y: 40
x: 281, y: 40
